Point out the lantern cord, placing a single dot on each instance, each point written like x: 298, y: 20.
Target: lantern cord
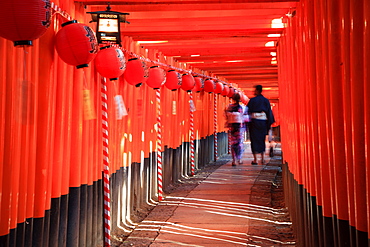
x: 24, y: 63
x: 114, y: 87
x: 169, y: 67
x: 86, y: 85
x: 57, y: 10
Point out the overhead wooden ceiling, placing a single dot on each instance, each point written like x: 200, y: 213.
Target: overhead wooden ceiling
x: 224, y: 37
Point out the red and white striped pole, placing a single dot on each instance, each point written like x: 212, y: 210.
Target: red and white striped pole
x: 215, y: 124
x: 107, y: 223
x: 159, y: 144
x: 192, y: 137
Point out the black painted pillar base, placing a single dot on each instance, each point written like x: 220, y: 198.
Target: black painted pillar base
x: 310, y: 226
x: 361, y: 238
x: 343, y: 228
x: 4, y: 241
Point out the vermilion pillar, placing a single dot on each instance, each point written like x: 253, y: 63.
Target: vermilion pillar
x: 327, y: 87
x: 346, y: 87
x: 29, y: 139
x: 321, y: 117
x: 336, y: 68
x: 357, y: 116
x: 293, y: 90
x: 300, y: 99
x: 76, y: 151
x: 313, y: 102
x: 367, y: 102
x: 9, y: 142
x: 68, y: 115
x: 336, y: 106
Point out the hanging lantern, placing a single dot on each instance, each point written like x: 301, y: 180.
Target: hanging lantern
x: 108, y: 28
x: 110, y: 62
x: 188, y: 82
x: 156, y: 77
x: 231, y: 92
x: 209, y: 86
x: 136, y: 72
x: 199, y: 84
x: 24, y: 20
x: 219, y: 87
x: 225, y: 91
x: 173, y: 80
x: 76, y: 44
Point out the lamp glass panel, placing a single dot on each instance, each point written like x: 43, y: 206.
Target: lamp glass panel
x: 108, y: 25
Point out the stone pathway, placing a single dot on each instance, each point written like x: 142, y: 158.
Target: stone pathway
x: 231, y: 206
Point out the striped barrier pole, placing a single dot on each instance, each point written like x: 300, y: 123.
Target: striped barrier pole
x: 192, y: 138
x: 215, y: 124
x: 107, y: 222
x: 159, y: 144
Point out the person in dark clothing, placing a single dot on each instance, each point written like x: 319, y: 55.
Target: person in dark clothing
x: 262, y: 117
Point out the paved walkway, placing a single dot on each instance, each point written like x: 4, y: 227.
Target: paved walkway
x: 225, y: 209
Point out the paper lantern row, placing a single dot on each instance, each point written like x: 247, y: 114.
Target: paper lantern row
x: 76, y: 45
x: 137, y: 73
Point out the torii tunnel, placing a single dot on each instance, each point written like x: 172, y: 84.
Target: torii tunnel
x: 86, y: 143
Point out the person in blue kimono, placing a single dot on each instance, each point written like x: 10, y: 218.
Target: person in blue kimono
x: 262, y: 118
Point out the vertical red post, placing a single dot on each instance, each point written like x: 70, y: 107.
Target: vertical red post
x: 30, y: 200
x: 60, y: 147
x: 346, y: 87
x: 327, y: 87
x: 2, y: 117
x: 321, y: 78
x: 9, y: 144
x: 295, y: 91
x: 312, y: 101
x: 337, y: 106
x: 357, y: 115
x: 367, y: 103
x: 27, y: 139
x: 66, y: 75
x: 300, y: 98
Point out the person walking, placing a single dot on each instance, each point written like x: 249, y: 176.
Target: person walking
x: 234, y: 118
x: 262, y: 117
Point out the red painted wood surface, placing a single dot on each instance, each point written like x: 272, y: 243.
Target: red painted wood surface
x: 321, y: 82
